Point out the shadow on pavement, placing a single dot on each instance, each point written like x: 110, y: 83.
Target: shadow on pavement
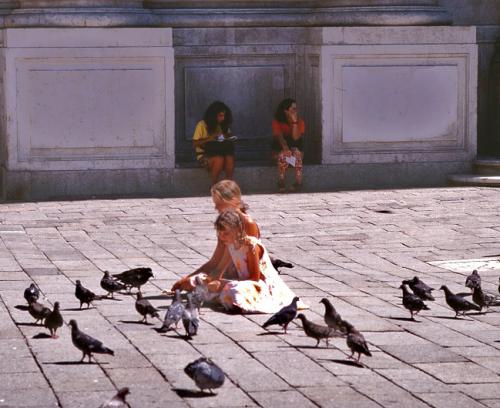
x: 183, y: 393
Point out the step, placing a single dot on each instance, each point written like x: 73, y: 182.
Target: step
x: 490, y: 167
x: 474, y: 180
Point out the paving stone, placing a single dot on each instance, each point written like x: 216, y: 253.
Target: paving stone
x: 468, y: 373
x: 339, y: 397
x: 450, y: 400
x: 36, y: 397
x: 282, y: 399
x: 422, y: 353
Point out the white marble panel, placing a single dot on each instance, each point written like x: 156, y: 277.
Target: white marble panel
x: 399, y: 103
x: 76, y: 108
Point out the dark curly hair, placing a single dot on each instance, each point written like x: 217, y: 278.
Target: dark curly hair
x: 210, y: 116
x: 284, y: 105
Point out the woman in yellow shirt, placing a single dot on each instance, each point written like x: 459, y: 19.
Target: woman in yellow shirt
x: 213, y: 142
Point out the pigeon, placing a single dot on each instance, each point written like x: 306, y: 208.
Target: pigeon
x: 420, y: 289
x: 498, y: 285
x: 206, y: 374
x: 316, y: 331
x: 87, y: 344
x: 190, y: 318
x: 200, y: 294
x: 118, y: 401
x: 145, y: 308
x: 85, y: 295
x: 31, y: 294
x: 356, y: 342
x: 38, y: 311
x: 278, y: 263
x: 333, y: 318
x: 412, y: 302
x: 458, y: 303
x: 110, y: 285
x: 134, y: 278
x: 174, y: 313
x: 54, y: 320
x: 284, y: 316
x: 473, y: 280
x: 484, y: 299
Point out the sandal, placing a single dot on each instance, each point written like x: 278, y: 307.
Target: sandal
x: 281, y: 186
x: 296, y: 187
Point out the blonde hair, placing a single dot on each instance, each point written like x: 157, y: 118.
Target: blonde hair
x: 229, y: 219
x: 229, y: 192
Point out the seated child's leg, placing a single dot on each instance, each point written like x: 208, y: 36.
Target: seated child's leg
x: 298, y: 166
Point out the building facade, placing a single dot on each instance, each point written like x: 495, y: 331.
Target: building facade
x: 100, y: 97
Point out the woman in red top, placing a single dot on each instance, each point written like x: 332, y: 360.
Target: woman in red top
x: 288, y: 132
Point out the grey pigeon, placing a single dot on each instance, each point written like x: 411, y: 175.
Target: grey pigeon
x: 85, y: 295
x: 484, y: 299
x: 206, y: 374
x: 145, y: 308
x: 54, y: 320
x: 134, y: 278
x: 284, y: 316
x: 118, y: 401
x: 412, y: 302
x: 422, y: 290
x: 87, y: 344
x: 190, y: 318
x: 316, y: 331
x: 356, y: 342
x: 473, y: 280
x: 31, y: 294
x: 110, y: 285
x: 498, y: 285
x: 278, y: 263
x: 174, y: 313
x: 458, y: 303
x: 333, y: 318
x: 38, y: 311
x: 200, y: 294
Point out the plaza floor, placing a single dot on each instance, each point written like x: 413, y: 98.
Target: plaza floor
x: 352, y: 247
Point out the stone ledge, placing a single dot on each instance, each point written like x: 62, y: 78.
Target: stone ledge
x: 474, y: 180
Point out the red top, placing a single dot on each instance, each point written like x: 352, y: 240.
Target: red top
x: 284, y: 129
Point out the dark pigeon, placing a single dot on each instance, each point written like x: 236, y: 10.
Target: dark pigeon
x: 278, y: 263
x: 87, y: 344
x: 110, y: 285
x: 174, y: 313
x: 206, y: 374
x: 118, y: 401
x: 356, y: 342
x: 284, y: 316
x: 333, y: 318
x: 134, y: 278
x: 473, y: 280
x: 484, y: 299
x: 85, y: 295
x: 31, y: 294
x: 39, y: 312
x: 316, y: 331
x: 420, y: 289
x: 412, y: 302
x: 498, y: 285
x: 458, y: 303
x: 145, y: 308
x: 54, y: 320
x: 190, y: 318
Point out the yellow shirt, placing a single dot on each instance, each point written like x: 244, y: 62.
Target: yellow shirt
x: 201, y: 133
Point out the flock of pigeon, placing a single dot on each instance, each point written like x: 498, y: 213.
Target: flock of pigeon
x: 414, y: 302
x: 204, y: 372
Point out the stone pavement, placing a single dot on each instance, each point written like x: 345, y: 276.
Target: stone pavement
x: 352, y: 247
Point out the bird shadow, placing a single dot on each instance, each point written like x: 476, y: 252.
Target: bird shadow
x: 136, y: 322
x: 76, y: 309
x: 184, y: 393
x: 21, y: 307
x: 404, y: 319
x: 157, y: 297
x: 66, y: 363
x: 42, y: 336
x: 270, y: 333
x: 350, y: 363
x: 464, y: 294
x: 450, y: 317
x: 32, y: 324
x: 300, y: 346
x: 112, y: 298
